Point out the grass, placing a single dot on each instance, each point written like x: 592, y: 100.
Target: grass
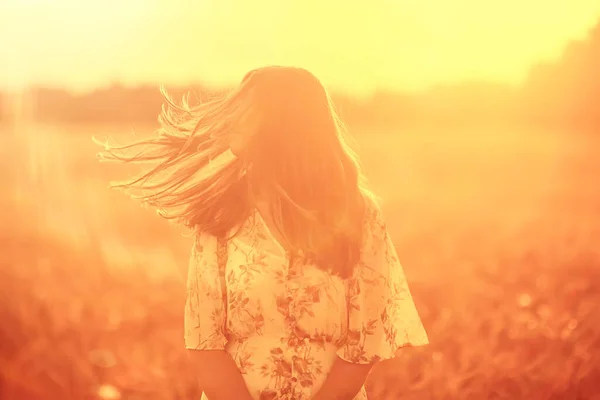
x: 505, y: 273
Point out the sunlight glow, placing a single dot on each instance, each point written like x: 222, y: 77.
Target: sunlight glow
x: 404, y: 44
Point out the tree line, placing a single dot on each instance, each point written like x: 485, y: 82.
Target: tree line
x: 561, y: 92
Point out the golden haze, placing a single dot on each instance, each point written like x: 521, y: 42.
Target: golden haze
x: 403, y: 44
x: 490, y: 190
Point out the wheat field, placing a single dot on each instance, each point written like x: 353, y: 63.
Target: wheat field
x: 498, y: 229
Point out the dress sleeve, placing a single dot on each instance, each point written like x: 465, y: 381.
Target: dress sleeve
x: 205, y: 309
x: 381, y: 314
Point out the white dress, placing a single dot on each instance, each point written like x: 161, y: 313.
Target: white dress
x: 284, y: 325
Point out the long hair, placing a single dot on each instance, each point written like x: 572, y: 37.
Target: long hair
x: 299, y: 161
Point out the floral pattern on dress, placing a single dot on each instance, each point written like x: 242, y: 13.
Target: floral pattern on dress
x: 284, y: 322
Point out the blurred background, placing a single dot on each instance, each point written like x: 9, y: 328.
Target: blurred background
x: 478, y: 124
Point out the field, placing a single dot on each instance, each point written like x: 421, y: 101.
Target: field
x: 498, y: 229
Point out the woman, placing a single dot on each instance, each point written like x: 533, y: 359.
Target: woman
x: 294, y: 288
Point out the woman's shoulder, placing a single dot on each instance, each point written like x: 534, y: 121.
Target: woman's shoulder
x: 374, y: 229
x: 205, y: 243
x: 372, y: 215
x: 201, y: 240
x: 244, y: 229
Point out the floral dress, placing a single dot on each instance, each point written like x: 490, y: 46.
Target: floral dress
x: 284, y: 323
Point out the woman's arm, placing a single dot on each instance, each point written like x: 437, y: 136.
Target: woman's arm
x: 381, y: 314
x: 218, y: 376
x: 204, y: 324
x: 344, y: 381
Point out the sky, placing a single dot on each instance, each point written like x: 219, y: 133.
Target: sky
x: 356, y: 46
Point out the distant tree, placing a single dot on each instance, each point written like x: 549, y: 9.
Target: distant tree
x: 568, y: 90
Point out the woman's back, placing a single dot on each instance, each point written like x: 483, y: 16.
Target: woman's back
x: 284, y: 321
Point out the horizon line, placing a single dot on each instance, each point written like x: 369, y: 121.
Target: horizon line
x: 217, y: 87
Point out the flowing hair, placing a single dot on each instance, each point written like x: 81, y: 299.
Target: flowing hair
x: 299, y: 160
